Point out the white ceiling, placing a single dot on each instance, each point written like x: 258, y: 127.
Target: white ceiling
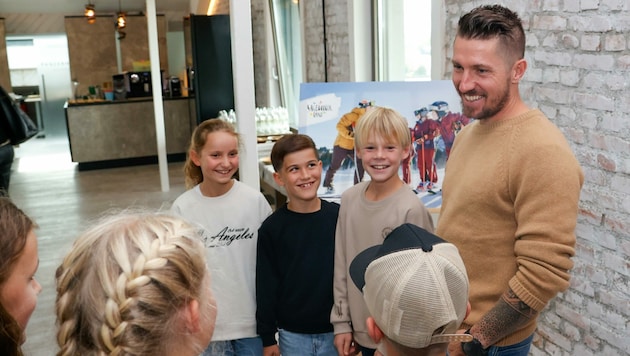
x: 75, y: 7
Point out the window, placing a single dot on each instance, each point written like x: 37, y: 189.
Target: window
x: 403, y: 40
x: 285, y: 16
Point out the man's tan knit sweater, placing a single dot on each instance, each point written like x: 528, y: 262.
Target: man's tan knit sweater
x: 510, y: 204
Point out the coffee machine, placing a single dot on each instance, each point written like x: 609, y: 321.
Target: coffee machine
x: 174, y: 86
x: 120, y: 90
x: 138, y: 84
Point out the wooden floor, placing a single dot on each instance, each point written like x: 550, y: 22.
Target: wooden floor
x: 62, y: 201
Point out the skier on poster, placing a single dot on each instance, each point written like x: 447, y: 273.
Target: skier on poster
x: 424, y: 134
x: 343, y: 148
x: 450, y: 123
x: 406, y: 163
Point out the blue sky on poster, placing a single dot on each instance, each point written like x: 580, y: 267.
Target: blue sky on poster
x: 322, y: 104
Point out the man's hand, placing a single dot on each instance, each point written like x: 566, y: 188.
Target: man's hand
x: 345, y: 344
x: 272, y: 350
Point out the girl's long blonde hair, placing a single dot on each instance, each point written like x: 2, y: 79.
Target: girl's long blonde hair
x: 123, y: 285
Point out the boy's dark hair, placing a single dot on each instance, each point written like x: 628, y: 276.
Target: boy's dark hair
x: 288, y: 144
x: 494, y: 21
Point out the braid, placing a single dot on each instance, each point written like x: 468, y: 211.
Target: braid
x: 69, y: 315
x: 121, y: 301
x: 67, y: 324
x: 127, y: 277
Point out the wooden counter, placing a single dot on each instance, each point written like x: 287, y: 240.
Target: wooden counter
x: 115, y: 133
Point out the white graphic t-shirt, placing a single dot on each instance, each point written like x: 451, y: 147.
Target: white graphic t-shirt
x: 229, y: 228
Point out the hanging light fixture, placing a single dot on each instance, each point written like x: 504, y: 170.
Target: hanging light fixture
x: 90, y: 12
x: 121, y: 22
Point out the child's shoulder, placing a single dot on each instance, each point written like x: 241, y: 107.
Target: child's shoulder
x: 330, y: 206
x: 354, y: 191
x: 410, y: 196
x: 245, y: 189
x: 406, y: 198
x: 187, y: 195
x: 277, y: 217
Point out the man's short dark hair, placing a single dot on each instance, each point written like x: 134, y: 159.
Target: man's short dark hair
x: 494, y: 21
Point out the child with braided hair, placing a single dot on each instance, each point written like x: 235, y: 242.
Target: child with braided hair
x: 135, y: 284
x: 18, y: 287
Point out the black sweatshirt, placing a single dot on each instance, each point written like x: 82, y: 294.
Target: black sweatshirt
x: 294, y: 272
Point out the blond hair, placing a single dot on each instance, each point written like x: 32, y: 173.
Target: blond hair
x: 121, y: 288
x: 198, y: 140
x: 384, y: 122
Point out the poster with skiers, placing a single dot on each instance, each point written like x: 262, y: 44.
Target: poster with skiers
x: 329, y: 111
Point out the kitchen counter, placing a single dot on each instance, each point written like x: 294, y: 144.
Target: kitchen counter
x: 80, y: 102
x: 104, y: 134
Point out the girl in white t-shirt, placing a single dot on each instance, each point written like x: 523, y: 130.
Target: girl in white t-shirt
x: 229, y: 213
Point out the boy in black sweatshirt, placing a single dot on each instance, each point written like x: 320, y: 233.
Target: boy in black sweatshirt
x: 294, y: 266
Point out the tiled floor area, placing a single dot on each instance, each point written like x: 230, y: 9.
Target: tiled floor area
x: 62, y: 201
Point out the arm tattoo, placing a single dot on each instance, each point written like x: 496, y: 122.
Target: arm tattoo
x: 511, y: 299
x: 509, y: 314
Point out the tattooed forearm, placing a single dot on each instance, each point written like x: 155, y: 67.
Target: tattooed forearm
x: 511, y: 299
x: 508, y: 315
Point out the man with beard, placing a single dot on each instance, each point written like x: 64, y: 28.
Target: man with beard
x: 510, y: 198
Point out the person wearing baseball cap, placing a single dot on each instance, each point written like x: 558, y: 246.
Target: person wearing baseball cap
x: 416, y: 290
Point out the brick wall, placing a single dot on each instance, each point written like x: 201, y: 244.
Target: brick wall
x: 337, y: 42
x: 260, y: 34
x: 314, y: 44
x: 329, y: 59
x: 579, y: 65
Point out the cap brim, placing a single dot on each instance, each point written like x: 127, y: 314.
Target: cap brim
x: 359, y: 265
x: 406, y: 236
